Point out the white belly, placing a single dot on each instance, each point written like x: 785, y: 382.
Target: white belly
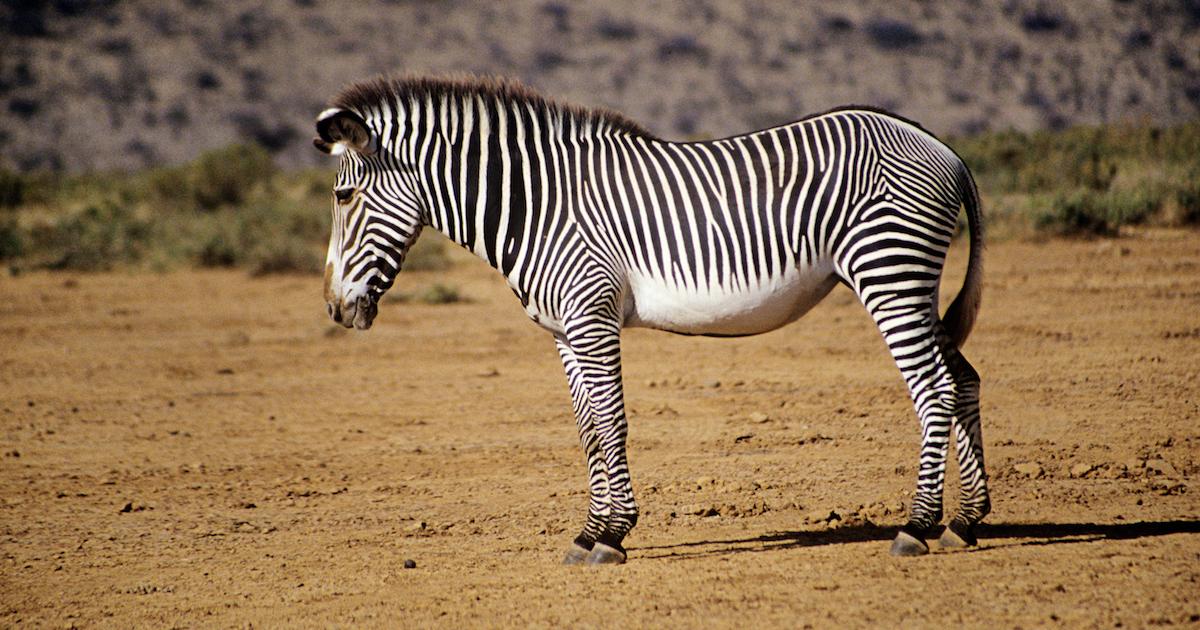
x: 745, y: 310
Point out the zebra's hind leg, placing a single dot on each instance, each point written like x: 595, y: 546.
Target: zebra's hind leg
x: 974, y: 503
x: 906, y: 316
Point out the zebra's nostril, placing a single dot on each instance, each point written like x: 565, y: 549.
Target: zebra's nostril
x: 329, y: 309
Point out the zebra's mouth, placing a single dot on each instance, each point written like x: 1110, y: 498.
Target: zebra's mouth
x: 358, y: 314
x: 365, y: 310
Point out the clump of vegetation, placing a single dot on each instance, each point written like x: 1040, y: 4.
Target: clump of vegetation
x: 440, y: 294
x: 233, y: 208
x: 434, y: 294
x: 228, y: 208
x: 1089, y: 181
x: 428, y: 254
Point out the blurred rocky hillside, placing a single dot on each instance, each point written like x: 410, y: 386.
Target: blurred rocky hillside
x: 104, y: 84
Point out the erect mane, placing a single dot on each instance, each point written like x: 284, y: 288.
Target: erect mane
x: 372, y: 93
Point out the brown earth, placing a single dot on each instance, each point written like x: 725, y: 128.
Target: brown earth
x: 204, y: 449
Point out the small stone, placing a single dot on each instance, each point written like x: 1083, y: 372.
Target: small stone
x: 1029, y: 469
x: 1135, y: 467
x: 822, y: 516
x: 758, y: 417
x: 714, y: 384
x: 410, y: 564
x: 416, y: 526
x: 704, y: 482
x: 1162, y: 467
x: 127, y: 509
x: 1081, y: 470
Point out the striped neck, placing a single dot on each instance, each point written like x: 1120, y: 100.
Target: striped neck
x: 492, y: 172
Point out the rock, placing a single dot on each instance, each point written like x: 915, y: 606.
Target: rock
x: 416, y: 526
x: 823, y: 515
x: 1162, y: 467
x: 705, y: 482
x: 1135, y: 467
x: 703, y: 510
x: 410, y: 564
x: 1081, y: 470
x: 758, y: 417
x: 1029, y: 469
x: 714, y: 384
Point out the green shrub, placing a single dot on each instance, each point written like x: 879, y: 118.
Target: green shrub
x: 1086, y: 212
x: 98, y: 238
x: 226, y: 177
x: 12, y: 240
x: 290, y: 255
x: 440, y: 294
x: 428, y: 253
x: 12, y: 189
x: 1188, y: 199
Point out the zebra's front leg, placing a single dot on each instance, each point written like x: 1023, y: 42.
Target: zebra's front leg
x: 598, y: 507
x: 594, y: 345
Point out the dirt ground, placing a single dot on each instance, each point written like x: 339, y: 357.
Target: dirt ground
x: 199, y: 449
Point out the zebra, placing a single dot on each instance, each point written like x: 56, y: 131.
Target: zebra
x: 598, y: 225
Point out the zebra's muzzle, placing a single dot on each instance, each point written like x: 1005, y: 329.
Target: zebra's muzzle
x: 359, y: 313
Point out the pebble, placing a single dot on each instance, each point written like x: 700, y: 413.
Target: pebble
x: 416, y: 526
x: 1162, y: 467
x: 1081, y: 470
x: 822, y: 516
x: 410, y: 564
x: 1029, y: 469
x: 758, y: 417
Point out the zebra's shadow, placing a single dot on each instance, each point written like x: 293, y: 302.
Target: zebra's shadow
x: 991, y: 537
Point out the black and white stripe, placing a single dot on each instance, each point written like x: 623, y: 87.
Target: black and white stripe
x: 597, y: 225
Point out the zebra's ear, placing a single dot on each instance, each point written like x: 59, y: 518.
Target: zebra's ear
x: 340, y: 129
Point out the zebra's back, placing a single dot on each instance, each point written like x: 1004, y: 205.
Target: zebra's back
x: 741, y: 235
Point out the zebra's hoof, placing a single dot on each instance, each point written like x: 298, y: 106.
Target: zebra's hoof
x: 906, y: 544
x: 603, y: 554
x: 577, y: 554
x: 957, y: 536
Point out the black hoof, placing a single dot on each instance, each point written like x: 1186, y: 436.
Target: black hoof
x: 576, y: 554
x: 906, y: 544
x: 603, y: 554
x: 957, y: 536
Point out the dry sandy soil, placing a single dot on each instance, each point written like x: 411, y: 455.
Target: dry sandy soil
x: 205, y: 449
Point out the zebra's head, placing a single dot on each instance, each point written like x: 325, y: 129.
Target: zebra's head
x: 376, y: 218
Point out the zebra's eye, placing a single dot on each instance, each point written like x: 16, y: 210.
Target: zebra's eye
x: 343, y: 194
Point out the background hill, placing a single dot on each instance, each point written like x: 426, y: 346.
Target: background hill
x: 109, y: 84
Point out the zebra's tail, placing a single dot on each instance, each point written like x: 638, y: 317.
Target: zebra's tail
x: 960, y: 317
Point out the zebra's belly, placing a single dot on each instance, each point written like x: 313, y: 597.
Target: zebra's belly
x: 745, y: 310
